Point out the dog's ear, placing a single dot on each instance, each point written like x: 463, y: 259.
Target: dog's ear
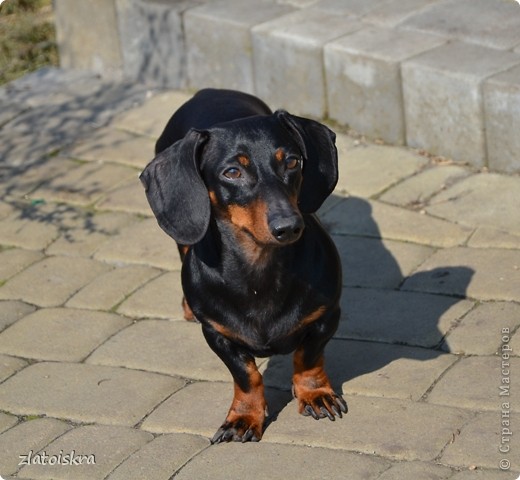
x: 320, y: 159
x: 175, y: 190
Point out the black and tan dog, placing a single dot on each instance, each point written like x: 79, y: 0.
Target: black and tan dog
x: 236, y: 187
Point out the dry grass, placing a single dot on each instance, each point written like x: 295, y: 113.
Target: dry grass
x: 27, y: 37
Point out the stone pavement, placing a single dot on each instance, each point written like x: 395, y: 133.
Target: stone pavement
x: 95, y: 358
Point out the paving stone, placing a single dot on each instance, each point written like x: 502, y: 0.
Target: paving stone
x: 160, y: 298
x: 52, y: 281
x: 85, y: 393
x: 11, y: 311
x: 269, y: 462
x: 479, y: 443
x: 424, y: 471
x: 164, y: 347
x: 356, y: 8
x: 7, y: 421
x: 485, y: 237
x: 443, y: 98
x: 501, y: 107
x: 288, y: 58
x: 14, y: 260
x: 219, y: 46
x: 393, y: 12
x: 160, y: 458
x: 110, y: 145
x: 400, y: 317
x: 484, y: 474
x: 389, y: 428
x: 10, y: 365
x: 479, y: 332
x: 374, y: 263
x: 416, y: 190
x: 151, y: 117
x: 497, y: 198
x: 108, y: 446
x: 364, y: 79
x: 60, y: 334
x: 357, y: 216
x: 357, y: 170
x: 26, y: 232
x: 32, y: 435
x: 194, y: 399
x: 86, y: 235
x: 6, y: 209
x: 484, y: 274
x: 85, y: 184
x: 111, y: 288
x: 474, y: 383
x: 470, y: 20
x: 143, y: 243
x: 370, y: 369
x: 129, y: 197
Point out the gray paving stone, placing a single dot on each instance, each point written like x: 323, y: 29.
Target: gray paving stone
x: 399, y: 317
x: 424, y: 471
x: 219, y: 46
x: 474, y: 383
x: 394, y: 429
x: 7, y: 421
x: 11, y: 311
x: 443, y: 98
x: 485, y: 474
x: 111, y: 288
x: 14, y: 260
x: 484, y: 274
x: 151, y: 117
x: 85, y: 184
x: 142, y: 243
x: 288, y: 58
x: 161, y: 458
x: 10, y: 365
x: 374, y: 263
x: 357, y: 216
x: 485, y: 237
x: 129, y: 197
x: 392, y: 13
x: 110, y: 145
x: 470, y: 21
x: 164, y: 347
x: 108, y: 446
x: 370, y: 369
x: 160, y: 298
x: 364, y: 79
x: 32, y: 435
x: 269, y: 462
x: 52, y: 281
x: 496, y: 195
x: 84, y: 236
x: 357, y: 169
x: 479, y: 332
x: 416, y: 190
x: 356, y: 8
x: 18, y: 230
x: 61, y: 334
x: 501, y: 107
x: 479, y: 442
x: 85, y: 393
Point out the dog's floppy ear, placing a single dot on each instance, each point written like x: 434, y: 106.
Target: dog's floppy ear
x: 320, y: 159
x: 175, y: 190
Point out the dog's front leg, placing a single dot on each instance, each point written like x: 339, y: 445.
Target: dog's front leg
x: 245, y: 419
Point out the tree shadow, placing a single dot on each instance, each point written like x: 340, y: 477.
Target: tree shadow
x: 387, y: 315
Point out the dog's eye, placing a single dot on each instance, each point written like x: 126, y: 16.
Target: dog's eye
x: 292, y: 162
x: 232, y: 173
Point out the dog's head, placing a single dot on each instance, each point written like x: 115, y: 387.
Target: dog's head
x: 259, y: 174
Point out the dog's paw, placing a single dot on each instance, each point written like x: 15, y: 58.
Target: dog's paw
x: 241, y: 429
x: 320, y: 403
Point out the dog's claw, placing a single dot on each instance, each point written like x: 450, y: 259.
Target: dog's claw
x: 233, y: 432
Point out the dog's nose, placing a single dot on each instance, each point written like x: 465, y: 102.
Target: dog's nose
x: 287, y: 229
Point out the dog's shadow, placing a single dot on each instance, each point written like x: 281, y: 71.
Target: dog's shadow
x: 386, y: 315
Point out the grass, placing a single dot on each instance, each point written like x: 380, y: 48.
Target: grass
x: 27, y: 37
